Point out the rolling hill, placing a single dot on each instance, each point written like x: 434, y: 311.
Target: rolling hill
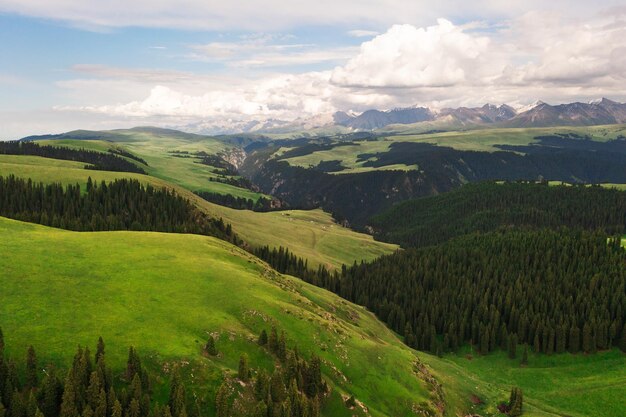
x: 164, y: 293
x: 312, y: 235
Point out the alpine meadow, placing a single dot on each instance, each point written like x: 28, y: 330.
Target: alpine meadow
x: 297, y: 209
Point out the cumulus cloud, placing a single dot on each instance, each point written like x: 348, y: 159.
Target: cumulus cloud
x: 407, y: 56
x: 532, y: 57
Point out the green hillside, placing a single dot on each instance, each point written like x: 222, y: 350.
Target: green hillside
x: 156, y: 147
x: 310, y: 234
x: 558, y: 385
x: 164, y: 293
x: 463, y: 140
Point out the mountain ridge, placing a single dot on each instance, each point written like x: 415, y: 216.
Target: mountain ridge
x: 539, y: 114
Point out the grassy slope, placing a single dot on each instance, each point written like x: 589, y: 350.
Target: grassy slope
x: 165, y: 292
x: 154, y: 148
x: 476, y: 140
x: 309, y: 234
x: 573, y: 385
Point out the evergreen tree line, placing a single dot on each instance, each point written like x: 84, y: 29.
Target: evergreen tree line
x: 125, y: 153
x: 240, y: 203
x: 119, y: 205
x: 96, y: 160
x: 285, y: 262
x: 488, y: 206
x: 240, y: 182
x: 550, y: 290
x: 295, y: 388
x: 217, y: 162
x: 87, y: 390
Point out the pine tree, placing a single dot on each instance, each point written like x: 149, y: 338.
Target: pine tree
x: 32, y: 407
x: 281, y: 351
x: 587, y: 338
x: 524, y: 360
x: 560, y: 339
x: 101, y: 406
x: 515, y: 405
x: 177, y: 401
x: 210, y: 348
x: 273, y: 340
x: 52, y: 391
x: 100, y: 349
x: 221, y: 401
x: 116, y: 409
x: 17, y: 408
x: 512, y: 346
x: 263, y: 338
x: 574, y: 339
x: 133, y: 364
x: 622, y: 342
x: 69, y: 406
x: 31, y: 369
x: 244, y: 369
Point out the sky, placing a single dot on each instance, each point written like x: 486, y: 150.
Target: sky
x: 92, y: 64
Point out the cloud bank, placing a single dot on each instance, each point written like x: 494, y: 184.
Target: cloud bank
x: 533, y: 57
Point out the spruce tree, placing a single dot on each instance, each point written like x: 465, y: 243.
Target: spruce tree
x: 221, y: 401
x: 587, y: 338
x: 210, y: 348
x: 281, y: 351
x: 177, y: 400
x: 99, y: 349
x: 263, y: 338
x: 31, y: 369
x: 273, y: 340
x: 515, y: 405
x: 116, y: 409
x: 69, y: 402
x: 52, y: 390
x: 574, y: 339
x: 244, y: 369
x: 512, y: 346
x: 622, y: 342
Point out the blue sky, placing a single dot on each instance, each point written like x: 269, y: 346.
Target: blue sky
x: 67, y: 64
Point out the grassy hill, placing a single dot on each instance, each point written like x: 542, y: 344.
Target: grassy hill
x: 156, y: 147
x: 309, y: 234
x: 558, y: 385
x: 485, y: 140
x: 164, y: 293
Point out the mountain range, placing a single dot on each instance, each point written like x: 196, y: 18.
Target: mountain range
x: 540, y: 114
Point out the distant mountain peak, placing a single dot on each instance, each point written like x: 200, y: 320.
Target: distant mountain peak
x: 537, y: 114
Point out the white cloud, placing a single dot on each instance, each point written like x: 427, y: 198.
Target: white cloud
x: 265, y: 51
x: 407, y: 56
x: 361, y: 33
x: 533, y: 57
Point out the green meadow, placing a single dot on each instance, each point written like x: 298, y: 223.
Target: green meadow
x: 558, y: 385
x: 309, y: 234
x: 156, y: 147
x: 165, y: 293
x: 463, y: 140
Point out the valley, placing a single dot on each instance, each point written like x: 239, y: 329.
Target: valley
x: 165, y: 292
